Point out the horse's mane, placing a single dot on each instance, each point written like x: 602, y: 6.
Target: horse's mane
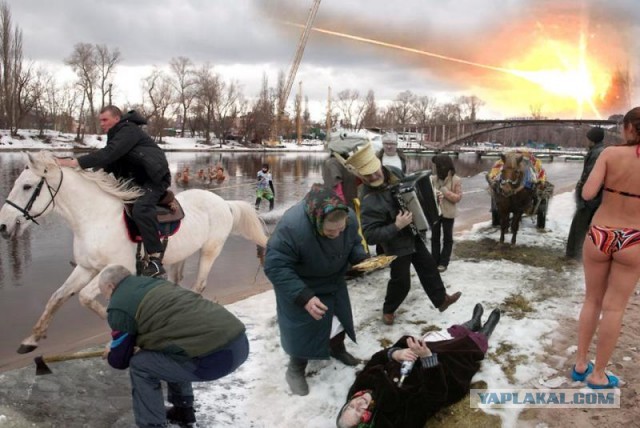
x: 120, y: 189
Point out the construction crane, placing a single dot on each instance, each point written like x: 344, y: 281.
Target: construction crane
x: 284, y: 96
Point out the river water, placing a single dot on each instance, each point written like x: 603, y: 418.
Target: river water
x: 35, y: 265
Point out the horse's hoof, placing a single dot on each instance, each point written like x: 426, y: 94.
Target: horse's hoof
x: 25, y: 349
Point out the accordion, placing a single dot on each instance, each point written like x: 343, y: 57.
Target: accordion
x: 416, y: 194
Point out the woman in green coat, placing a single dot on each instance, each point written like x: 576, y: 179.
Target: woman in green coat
x: 307, y: 257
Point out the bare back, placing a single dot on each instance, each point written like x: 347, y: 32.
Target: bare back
x: 617, y: 168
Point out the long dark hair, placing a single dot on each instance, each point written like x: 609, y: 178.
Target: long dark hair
x: 443, y: 164
x: 633, y: 117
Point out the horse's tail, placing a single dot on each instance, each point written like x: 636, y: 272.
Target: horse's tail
x: 247, y: 223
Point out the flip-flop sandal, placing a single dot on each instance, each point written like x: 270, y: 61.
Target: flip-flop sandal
x: 613, y: 383
x: 580, y: 377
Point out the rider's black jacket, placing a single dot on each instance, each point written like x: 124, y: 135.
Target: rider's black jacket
x: 130, y: 153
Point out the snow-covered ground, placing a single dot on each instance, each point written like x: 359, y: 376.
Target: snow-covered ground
x: 29, y: 140
x: 256, y: 395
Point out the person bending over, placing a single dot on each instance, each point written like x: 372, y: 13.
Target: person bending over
x: 161, y: 331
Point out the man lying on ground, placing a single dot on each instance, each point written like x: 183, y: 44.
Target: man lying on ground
x: 443, y: 365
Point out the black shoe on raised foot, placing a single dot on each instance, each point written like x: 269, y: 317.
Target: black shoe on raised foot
x: 184, y: 417
x: 491, y: 323
x: 475, y: 323
x: 154, y: 268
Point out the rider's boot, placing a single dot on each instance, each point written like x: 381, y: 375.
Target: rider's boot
x: 154, y: 267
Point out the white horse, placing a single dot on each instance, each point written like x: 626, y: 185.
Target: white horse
x: 92, y: 203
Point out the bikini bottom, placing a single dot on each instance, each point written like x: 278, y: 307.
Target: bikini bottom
x: 609, y: 240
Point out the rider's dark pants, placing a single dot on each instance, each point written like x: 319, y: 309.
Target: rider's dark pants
x: 145, y: 217
x: 400, y: 283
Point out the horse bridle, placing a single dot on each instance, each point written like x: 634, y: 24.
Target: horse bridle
x: 52, y: 192
x: 515, y: 183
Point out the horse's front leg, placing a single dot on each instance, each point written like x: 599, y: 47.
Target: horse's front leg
x: 88, y: 296
x: 75, y: 282
x: 504, y: 225
x: 515, y: 225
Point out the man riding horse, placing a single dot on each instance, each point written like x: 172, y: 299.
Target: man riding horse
x: 131, y: 154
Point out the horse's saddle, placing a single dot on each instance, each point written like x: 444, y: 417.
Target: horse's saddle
x: 169, y: 214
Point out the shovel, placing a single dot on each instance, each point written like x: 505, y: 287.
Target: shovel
x: 41, y: 361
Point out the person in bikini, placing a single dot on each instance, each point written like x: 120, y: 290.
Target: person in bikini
x: 610, y: 253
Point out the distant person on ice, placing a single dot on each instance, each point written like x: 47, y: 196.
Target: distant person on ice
x: 307, y: 257
x: 265, y: 187
x: 443, y: 365
x: 131, y: 154
x: 163, y: 332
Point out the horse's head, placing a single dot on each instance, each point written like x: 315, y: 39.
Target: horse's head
x: 32, y: 194
x: 510, y: 179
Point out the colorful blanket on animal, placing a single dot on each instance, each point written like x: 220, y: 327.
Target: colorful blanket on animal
x: 534, y: 172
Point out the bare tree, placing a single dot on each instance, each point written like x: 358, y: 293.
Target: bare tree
x: 67, y: 98
x: 207, y: 94
x: 402, y: 108
x: 184, y: 85
x: 535, y: 110
x: 351, y: 107
x: 469, y: 106
x: 422, y: 110
x: 159, y: 89
x: 106, y: 61
x: 11, y: 63
x: 260, y: 119
x: 83, y: 62
x: 226, y: 108
x: 370, y: 114
x: 38, y: 97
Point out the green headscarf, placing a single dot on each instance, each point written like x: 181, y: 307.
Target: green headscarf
x: 319, y: 202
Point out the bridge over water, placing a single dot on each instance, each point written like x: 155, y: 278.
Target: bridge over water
x: 447, y: 135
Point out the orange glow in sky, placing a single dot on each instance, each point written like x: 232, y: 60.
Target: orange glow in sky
x: 558, y: 74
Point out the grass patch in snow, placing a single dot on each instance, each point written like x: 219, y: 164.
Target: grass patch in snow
x: 489, y: 249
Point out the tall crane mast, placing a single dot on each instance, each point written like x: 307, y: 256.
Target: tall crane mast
x: 284, y: 96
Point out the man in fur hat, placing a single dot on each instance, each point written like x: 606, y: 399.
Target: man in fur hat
x: 585, y: 209
x: 384, y: 223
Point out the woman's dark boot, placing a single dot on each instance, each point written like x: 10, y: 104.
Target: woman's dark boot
x: 338, y: 351
x: 295, y: 376
x: 475, y: 323
x: 491, y: 323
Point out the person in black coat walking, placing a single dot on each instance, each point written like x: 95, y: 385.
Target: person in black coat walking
x: 406, y: 384
x: 384, y: 222
x: 131, y: 154
x: 585, y: 209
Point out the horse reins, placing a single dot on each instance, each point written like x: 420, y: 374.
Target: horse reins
x: 53, y: 193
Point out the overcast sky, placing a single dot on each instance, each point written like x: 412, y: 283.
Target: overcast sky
x: 244, y: 38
